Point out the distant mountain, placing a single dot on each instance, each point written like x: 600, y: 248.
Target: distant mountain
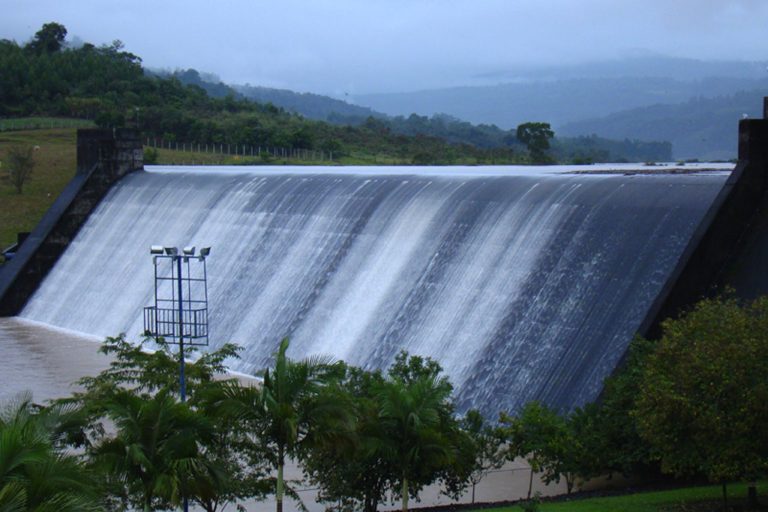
x: 641, y: 65
x: 546, y: 101
x: 565, y: 94
x: 703, y: 128
x: 557, y: 102
x: 312, y: 106
x: 309, y: 105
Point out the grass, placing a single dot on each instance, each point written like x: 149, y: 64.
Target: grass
x: 37, y: 123
x: 55, y: 165
x: 699, y: 499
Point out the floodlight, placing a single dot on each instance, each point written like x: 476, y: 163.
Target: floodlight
x: 189, y: 250
x: 171, y: 251
x: 156, y: 249
x: 205, y: 251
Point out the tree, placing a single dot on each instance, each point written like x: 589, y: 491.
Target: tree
x: 702, y: 403
x: 536, y: 136
x: 405, y: 437
x: 240, y: 460
x: 36, y: 473
x: 415, y: 411
x: 292, y: 410
x: 615, y: 439
x: 49, y: 39
x: 558, y: 445
x: 154, y: 457
x: 20, y: 163
x: 357, y: 474
x: 233, y: 465
x: 577, y: 456
x: 536, y: 434
x: 485, y: 449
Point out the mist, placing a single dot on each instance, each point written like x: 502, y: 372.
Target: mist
x: 348, y: 47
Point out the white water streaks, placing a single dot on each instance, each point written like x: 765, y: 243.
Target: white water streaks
x: 523, y: 283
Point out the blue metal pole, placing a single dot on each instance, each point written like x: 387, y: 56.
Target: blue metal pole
x: 182, y: 380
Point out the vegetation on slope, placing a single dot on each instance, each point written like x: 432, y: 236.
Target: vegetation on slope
x: 566, y: 149
x: 705, y: 128
x: 55, y: 164
x: 109, y: 86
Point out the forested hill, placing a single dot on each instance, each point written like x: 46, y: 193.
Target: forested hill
x: 558, y: 101
x: 704, y: 128
x: 312, y: 106
x: 456, y: 131
x: 109, y: 85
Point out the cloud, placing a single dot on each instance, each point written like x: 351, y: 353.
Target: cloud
x: 380, y: 45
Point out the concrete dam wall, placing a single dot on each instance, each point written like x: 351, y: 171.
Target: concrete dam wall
x: 523, y: 283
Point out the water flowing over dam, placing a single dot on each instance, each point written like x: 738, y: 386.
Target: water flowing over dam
x: 523, y: 284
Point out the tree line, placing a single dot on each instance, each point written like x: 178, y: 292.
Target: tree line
x: 692, y: 404
x: 106, y: 84
x: 577, y: 150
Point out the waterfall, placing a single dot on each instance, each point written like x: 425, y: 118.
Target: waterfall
x: 523, y: 284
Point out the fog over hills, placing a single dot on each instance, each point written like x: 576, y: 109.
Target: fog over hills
x: 644, y: 98
x: 703, y: 128
x: 568, y: 94
x: 635, y: 64
x: 691, y: 103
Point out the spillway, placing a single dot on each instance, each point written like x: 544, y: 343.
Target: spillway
x: 523, y: 284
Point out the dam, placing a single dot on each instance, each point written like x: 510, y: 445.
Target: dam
x: 523, y: 283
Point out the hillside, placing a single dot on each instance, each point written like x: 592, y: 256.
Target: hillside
x: 703, y: 128
x: 558, y: 101
x: 109, y: 86
x: 442, y: 126
x: 55, y: 163
x: 638, y: 66
x: 313, y: 106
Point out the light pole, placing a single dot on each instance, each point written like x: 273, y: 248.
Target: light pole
x: 180, y: 312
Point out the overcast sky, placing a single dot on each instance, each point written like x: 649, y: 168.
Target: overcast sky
x: 358, y: 46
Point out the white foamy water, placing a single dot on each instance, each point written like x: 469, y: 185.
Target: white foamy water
x: 525, y: 283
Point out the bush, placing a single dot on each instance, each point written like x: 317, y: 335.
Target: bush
x: 150, y: 156
x: 20, y: 163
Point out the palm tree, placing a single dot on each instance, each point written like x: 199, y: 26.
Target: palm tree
x: 231, y: 448
x: 154, y: 458
x: 34, y: 473
x: 292, y: 410
x: 413, y: 412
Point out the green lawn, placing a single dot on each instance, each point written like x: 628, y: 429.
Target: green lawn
x: 685, y: 499
x: 55, y: 165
